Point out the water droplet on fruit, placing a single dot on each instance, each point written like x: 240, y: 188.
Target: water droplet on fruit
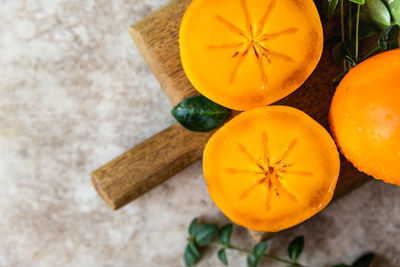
x: 316, y: 205
x: 359, y: 128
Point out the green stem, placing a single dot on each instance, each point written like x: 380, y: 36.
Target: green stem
x: 342, y: 18
x: 357, y: 29
x: 342, y: 26
x: 340, y: 76
x: 271, y: 257
x: 350, y: 22
x: 370, y: 53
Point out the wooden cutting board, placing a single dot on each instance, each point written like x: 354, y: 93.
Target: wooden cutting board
x: 150, y: 163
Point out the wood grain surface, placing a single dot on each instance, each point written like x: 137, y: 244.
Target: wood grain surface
x: 168, y: 152
x: 157, y: 39
x: 147, y: 165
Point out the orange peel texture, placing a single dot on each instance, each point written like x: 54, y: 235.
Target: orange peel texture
x: 244, y: 54
x: 365, y: 116
x: 271, y: 168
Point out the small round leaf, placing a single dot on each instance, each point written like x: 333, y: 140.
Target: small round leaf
x: 191, y: 254
x: 200, y: 114
x: 205, y: 234
x: 295, y: 248
x: 259, y: 249
x: 252, y: 260
x: 193, y: 227
x: 222, y: 256
x: 225, y: 233
x: 365, y: 260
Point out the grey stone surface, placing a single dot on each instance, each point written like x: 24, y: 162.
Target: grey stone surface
x: 75, y: 93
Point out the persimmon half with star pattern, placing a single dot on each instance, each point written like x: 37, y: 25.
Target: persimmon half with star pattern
x: 271, y: 168
x: 244, y: 54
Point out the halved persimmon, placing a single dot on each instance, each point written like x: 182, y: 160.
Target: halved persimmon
x: 365, y: 116
x: 271, y: 168
x: 244, y: 54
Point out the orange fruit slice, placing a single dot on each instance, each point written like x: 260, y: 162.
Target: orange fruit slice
x: 244, y: 54
x: 271, y: 168
x: 365, y: 116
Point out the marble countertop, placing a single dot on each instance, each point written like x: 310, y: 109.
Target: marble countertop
x: 74, y: 94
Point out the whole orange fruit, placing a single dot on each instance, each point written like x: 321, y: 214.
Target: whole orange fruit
x: 365, y: 116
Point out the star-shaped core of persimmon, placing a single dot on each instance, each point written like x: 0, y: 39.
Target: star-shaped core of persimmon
x: 254, y: 38
x: 270, y: 172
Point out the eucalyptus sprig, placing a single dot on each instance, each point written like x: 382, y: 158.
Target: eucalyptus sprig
x: 203, y: 235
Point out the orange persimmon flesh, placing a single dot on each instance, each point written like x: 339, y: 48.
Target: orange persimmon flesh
x: 244, y: 54
x: 271, y: 168
x: 365, y: 116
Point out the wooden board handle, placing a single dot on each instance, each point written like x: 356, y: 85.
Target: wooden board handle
x: 148, y: 164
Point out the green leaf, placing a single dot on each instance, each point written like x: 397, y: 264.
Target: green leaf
x: 222, y: 256
x: 360, y: 2
x: 205, y: 234
x: 225, y: 233
x: 193, y: 226
x: 379, y: 13
x: 330, y: 7
x: 194, y: 250
x: 191, y: 254
x: 295, y: 248
x: 367, y: 28
x: 394, y: 9
x: 200, y: 114
x: 252, y: 260
x: 365, y: 260
x: 341, y: 265
x: 390, y: 38
x: 347, y: 50
x: 258, y: 253
x: 259, y: 249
